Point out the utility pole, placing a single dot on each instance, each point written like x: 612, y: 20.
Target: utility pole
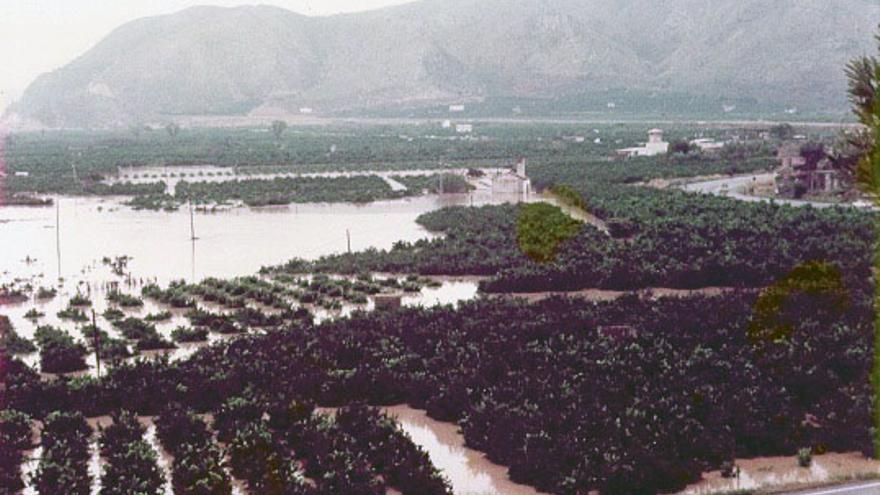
x: 58, y: 234
x: 348, y: 236
x: 97, y: 343
x: 192, y: 225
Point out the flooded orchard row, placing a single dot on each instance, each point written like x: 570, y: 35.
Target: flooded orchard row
x: 173, y: 175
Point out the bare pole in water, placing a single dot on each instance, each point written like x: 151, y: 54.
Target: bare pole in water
x: 193, y: 262
x: 97, y: 344
x: 348, y: 236
x: 58, y: 234
x: 192, y: 225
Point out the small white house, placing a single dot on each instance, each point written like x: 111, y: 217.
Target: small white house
x: 306, y: 110
x: 20, y: 173
x: 456, y: 108
x: 446, y: 124
x: 464, y: 128
x: 655, y: 146
x: 707, y: 145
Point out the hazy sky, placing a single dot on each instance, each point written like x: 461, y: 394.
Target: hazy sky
x: 37, y: 36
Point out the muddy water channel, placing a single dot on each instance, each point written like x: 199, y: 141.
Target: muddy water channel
x: 468, y: 471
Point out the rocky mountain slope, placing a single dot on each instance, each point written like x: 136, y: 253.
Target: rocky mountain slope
x: 220, y: 61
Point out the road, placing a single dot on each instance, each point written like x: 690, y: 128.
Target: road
x: 861, y: 488
x: 732, y: 187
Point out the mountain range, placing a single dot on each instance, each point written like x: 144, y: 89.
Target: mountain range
x: 260, y: 59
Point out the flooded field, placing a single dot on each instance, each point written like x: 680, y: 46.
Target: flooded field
x: 65, y: 247
x: 172, y: 175
x: 230, y: 243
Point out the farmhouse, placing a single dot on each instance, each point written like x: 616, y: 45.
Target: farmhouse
x: 655, y: 146
x: 796, y: 176
x: 789, y: 156
x: 514, y: 181
x: 707, y: 145
x: 464, y: 128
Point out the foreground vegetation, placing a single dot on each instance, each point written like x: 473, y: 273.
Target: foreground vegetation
x: 522, y: 381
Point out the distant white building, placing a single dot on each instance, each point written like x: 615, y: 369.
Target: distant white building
x: 456, y: 108
x: 655, y: 146
x: 513, y: 181
x: 306, y: 110
x: 464, y: 128
x: 707, y: 145
x: 446, y: 124
x: 20, y: 173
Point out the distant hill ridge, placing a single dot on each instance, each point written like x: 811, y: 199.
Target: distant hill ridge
x: 220, y: 61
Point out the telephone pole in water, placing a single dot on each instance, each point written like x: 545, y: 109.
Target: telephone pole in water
x: 58, y: 234
x: 97, y: 344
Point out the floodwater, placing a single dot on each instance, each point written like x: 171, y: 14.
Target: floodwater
x: 230, y: 243
x: 468, y: 471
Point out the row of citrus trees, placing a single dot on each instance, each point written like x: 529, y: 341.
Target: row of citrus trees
x: 274, y: 446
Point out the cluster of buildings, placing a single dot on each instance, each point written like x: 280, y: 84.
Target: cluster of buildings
x: 655, y: 146
x: 459, y: 128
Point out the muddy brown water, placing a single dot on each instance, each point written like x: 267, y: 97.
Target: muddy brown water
x: 468, y: 471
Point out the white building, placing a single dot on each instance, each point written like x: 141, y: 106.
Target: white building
x: 655, y: 146
x: 456, y: 108
x: 464, y: 128
x: 306, y: 110
x: 446, y: 124
x: 513, y: 181
x: 707, y: 145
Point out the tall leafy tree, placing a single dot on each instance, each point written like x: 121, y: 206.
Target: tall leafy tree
x: 278, y: 128
x: 864, y: 83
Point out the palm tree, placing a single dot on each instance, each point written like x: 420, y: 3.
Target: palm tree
x: 864, y: 82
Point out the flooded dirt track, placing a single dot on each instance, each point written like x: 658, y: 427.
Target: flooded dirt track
x: 468, y: 471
